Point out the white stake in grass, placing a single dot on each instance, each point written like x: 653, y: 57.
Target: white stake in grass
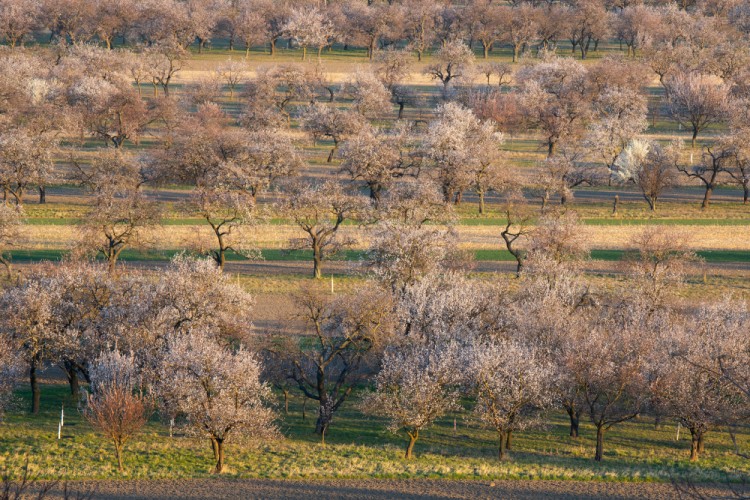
x: 61, y: 422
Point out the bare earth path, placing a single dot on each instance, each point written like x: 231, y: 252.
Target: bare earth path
x: 381, y: 489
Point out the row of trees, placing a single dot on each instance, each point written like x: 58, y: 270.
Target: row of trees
x: 420, y: 333
x: 420, y: 24
x: 590, y: 118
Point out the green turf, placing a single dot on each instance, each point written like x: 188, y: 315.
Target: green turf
x: 281, y: 255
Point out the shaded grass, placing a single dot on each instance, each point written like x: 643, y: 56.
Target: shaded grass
x: 360, y: 447
x: 281, y: 255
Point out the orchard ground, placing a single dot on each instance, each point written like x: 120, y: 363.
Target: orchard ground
x: 358, y: 447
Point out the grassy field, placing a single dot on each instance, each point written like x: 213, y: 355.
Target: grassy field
x: 359, y: 446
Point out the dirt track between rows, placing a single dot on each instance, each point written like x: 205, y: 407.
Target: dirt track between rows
x: 384, y: 489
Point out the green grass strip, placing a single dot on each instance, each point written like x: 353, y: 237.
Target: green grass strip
x: 281, y: 255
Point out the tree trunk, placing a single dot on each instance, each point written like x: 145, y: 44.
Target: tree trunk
x: 321, y: 427
x: 575, y: 420
x: 111, y: 262
x: 551, y: 148
x: 222, y: 258
x: 330, y: 155
x: 317, y: 263
x: 72, y: 373
x: 695, y: 135
x: 694, y: 445
x: 215, y: 448
x: 118, y: 455
x: 501, y: 447
x: 515, y: 53
x: 413, y: 436
x: 745, y: 193
x: 599, y: 443
x: 8, y: 268
x: 400, y: 110
x: 42, y: 195
x: 701, y: 442
x: 219, y: 456
x: 481, y: 203
x: 375, y: 190
x: 707, y: 197
x: 35, y: 392
x: 509, y: 440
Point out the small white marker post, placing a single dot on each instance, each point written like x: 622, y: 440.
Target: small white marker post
x: 677, y: 436
x: 61, y: 422
x: 332, y: 284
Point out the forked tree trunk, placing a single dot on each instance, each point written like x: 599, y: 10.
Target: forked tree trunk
x: 219, y: 456
x: 413, y: 436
